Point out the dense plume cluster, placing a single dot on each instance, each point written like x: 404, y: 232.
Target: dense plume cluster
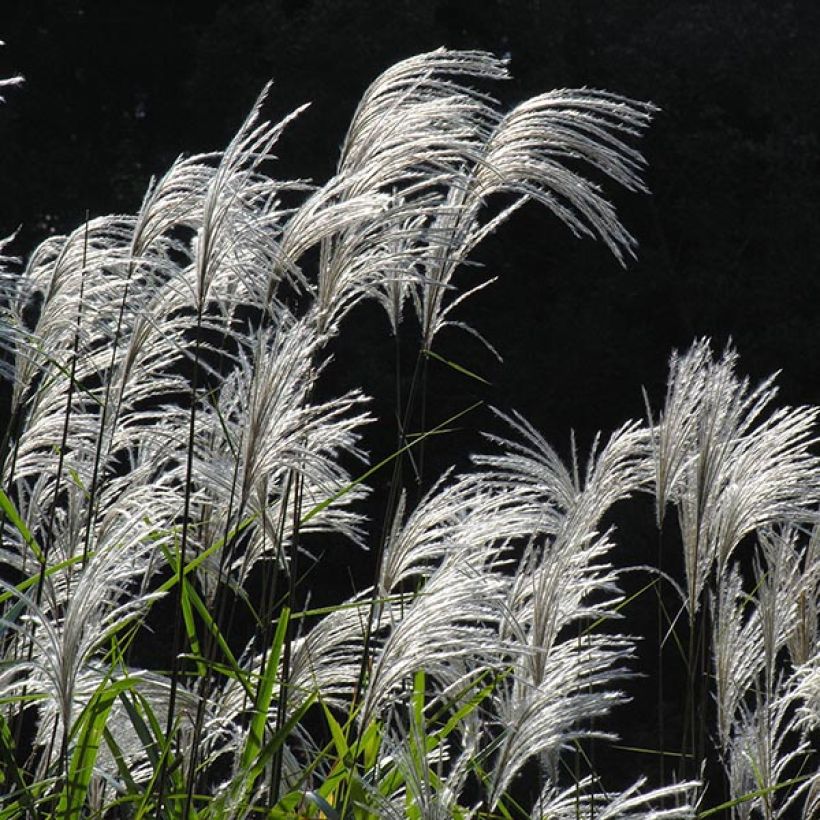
x: 166, y: 446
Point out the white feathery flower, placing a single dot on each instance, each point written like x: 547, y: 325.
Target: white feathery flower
x: 726, y: 468
x: 737, y: 642
x: 581, y: 800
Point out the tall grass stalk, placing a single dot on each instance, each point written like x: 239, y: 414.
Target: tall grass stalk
x: 170, y: 468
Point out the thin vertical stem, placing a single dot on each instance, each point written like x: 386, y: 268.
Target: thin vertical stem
x: 660, y: 634
x: 293, y: 570
x: 186, y: 515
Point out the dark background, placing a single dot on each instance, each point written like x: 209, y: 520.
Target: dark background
x: 729, y: 239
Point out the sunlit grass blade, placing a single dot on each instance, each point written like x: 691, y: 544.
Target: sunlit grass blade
x: 53, y: 569
x: 194, y: 602
x: 190, y: 626
x: 749, y: 796
x: 10, y: 511
x: 456, y: 366
x: 91, y: 725
x: 242, y: 786
x: 264, y: 695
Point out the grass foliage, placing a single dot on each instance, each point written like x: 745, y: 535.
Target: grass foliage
x: 168, y: 464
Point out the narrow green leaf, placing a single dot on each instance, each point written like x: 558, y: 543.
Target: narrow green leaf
x: 621, y: 604
x: 147, y: 806
x: 264, y: 694
x: 190, y: 626
x: 322, y: 505
x: 244, y: 781
x: 66, y: 372
x: 455, y: 366
x: 92, y: 723
x: 202, y: 611
x: 470, y: 705
x: 33, y: 580
x: 336, y: 732
x: 122, y: 766
x: 78, y: 482
x: 370, y: 744
x: 12, y: 615
x: 148, y: 741
x: 7, y: 506
x: 419, y: 682
x: 194, y: 600
x: 730, y: 804
x: 203, y: 556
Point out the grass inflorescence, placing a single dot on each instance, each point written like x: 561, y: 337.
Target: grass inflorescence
x: 169, y: 462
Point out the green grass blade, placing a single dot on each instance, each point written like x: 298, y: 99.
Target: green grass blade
x: 12, y: 615
x: 264, y: 695
x: 190, y: 626
x: 469, y: 706
x: 329, y: 812
x: 7, y: 506
x: 193, y: 600
x: 455, y: 366
x: 730, y: 804
x: 322, y: 505
x: 202, y: 610
x: 148, y: 741
x: 92, y: 724
x: 242, y: 786
x: 336, y: 732
x: 164, y: 745
x: 119, y: 759
x: 33, y: 580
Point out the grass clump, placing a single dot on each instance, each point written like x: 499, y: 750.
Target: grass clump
x: 168, y: 465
